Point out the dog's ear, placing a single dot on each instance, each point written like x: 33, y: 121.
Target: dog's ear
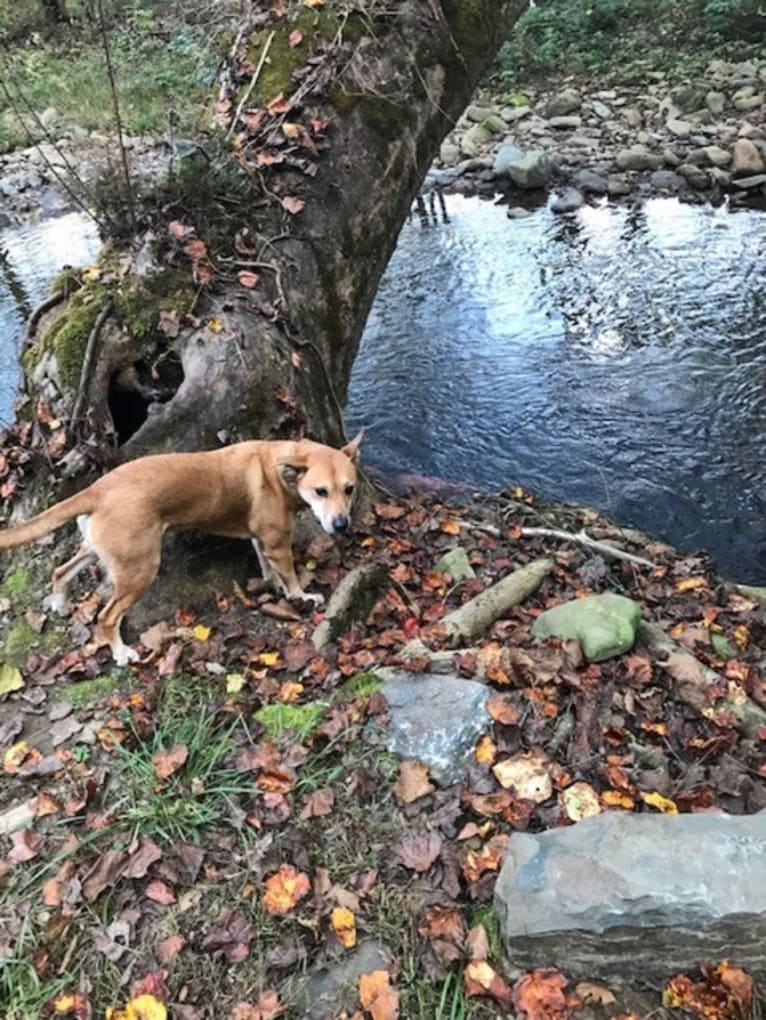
x: 351, y: 449
x: 290, y: 472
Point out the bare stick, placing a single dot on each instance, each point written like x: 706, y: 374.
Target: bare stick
x: 103, y: 315
x: 117, y: 116
x: 480, y: 612
x: 251, y: 85
x: 582, y: 538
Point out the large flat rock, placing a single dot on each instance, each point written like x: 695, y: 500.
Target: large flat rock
x: 637, y: 897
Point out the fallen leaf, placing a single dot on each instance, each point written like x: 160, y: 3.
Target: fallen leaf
x: 539, y: 995
x: 143, y: 1007
x: 25, y: 846
x: 486, y: 750
x: 295, y: 38
x: 248, y: 279
x: 479, y: 978
x: 344, y: 925
x: 375, y: 992
x: 528, y: 774
x: 167, y: 950
x: 293, y: 204
x: 413, y: 782
x: 590, y: 993
x: 201, y: 632
x: 160, y: 892
x: 419, y: 851
x: 690, y: 584
x: 168, y: 762
x: 10, y: 679
x: 284, y: 889
x: 179, y: 230
x: 579, y: 801
x: 656, y: 800
x: 319, y: 803
x: 71, y: 1004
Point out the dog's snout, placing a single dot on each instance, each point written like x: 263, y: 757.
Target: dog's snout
x: 340, y: 522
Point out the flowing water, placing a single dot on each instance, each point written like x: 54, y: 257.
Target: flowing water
x: 615, y: 357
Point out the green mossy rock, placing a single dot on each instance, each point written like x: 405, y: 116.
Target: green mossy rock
x: 455, y: 563
x: 605, y: 625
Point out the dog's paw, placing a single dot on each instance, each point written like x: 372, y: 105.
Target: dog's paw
x: 56, y: 603
x: 124, y: 655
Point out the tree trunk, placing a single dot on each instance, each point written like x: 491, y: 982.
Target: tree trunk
x: 55, y: 11
x: 236, y: 307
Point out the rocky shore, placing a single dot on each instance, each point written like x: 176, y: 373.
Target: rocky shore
x: 699, y: 140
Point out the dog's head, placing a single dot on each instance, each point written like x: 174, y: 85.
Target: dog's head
x: 325, y: 479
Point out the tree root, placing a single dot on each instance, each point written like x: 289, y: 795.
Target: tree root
x: 87, y: 360
x: 692, y: 680
x: 582, y: 538
x: 476, y: 616
x: 37, y: 313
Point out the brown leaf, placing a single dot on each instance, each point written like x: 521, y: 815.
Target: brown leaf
x: 502, y: 709
x: 477, y: 943
x: 590, y: 993
x: 25, y: 846
x: 319, y: 803
x: 479, y: 978
x: 160, y: 892
x: 167, y: 950
x: 413, y: 782
x: 232, y: 934
x: 166, y: 763
x: 528, y: 774
x: 293, y: 204
x: 107, y: 870
x: 539, y: 995
x: 295, y: 38
x: 419, y: 851
x: 179, y: 230
x: 248, y: 279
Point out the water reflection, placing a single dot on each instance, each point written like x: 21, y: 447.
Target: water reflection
x: 615, y: 357
x: 30, y: 256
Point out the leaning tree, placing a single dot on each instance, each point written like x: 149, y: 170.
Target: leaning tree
x: 232, y: 303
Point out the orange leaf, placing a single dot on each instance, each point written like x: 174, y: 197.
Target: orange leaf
x: 450, y: 527
x: 539, y: 995
x: 377, y: 996
x: 479, y: 978
x: 284, y: 888
x: 167, y: 762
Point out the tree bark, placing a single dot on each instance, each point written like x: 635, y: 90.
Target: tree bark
x: 237, y: 310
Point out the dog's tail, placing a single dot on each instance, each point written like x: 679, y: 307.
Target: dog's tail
x: 46, y: 522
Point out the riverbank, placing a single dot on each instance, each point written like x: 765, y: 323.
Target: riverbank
x: 237, y: 818
x: 700, y: 139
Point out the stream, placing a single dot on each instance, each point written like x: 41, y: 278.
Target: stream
x: 614, y: 357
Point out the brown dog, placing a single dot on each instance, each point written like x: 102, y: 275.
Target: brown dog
x: 248, y: 490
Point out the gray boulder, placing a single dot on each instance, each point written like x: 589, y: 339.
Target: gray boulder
x: 747, y: 160
x: 529, y: 170
x: 715, y: 102
x: 565, y: 122
x: 679, y: 128
x: 436, y: 720
x: 717, y: 156
x: 563, y: 103
x: 637, y: 159
x: 695, y: 175
x: 605, y: 625
x: 567, y: 201
x: 666, y: 180
x: 475, y: 137
x: 630, y: 897
x: 591, y: 182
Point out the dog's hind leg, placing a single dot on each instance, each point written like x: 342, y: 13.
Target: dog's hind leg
x: 132, y: 568
x: 57, y: 600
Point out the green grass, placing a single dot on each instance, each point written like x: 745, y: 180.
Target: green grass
x: 157, y: 78
x: 24, y: 994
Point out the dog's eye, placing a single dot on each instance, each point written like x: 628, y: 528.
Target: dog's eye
x: 349, y: 489
x: 321, y: 492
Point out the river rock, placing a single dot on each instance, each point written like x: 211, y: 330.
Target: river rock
x: 591, y: 182
x: 720, y: 177
x: 637, y: 159
x: 436, y: 720
x: 478, y: 113
x: 636, y: 897
x: 717, y: 156
x: 449, y: 152
x: 617, y: 186
x: 695, y: 175
x: 526, y: 169
x: 513, y: 114
x: 666, y: 180
x: 561, y: 123
x: 605, y: 625
x: 567, y: 201
x: 563, y: 103
x: 715, y: 102
x: 474, y: 139
x: 747, y: 160
x: 679, y: 128
x: 600, y: 109
x: 633, y: 117
x: 756, y: 181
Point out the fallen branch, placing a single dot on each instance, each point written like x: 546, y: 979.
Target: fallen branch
x: 693, y: 679
x: 39, y: 312
x: 351, y: 601
x: 90, y: 348
x: 251, y: 84
x: 477, y: 615
x: 582, y: 538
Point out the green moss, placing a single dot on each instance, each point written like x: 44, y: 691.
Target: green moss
x: 85, y: 692
x: 66, y: 282
x: 67, y: 336
x: 303, y: 719
x: 360, y: 686
x: 316, y: 25
x: 473, y: 23
x: 16, y: 584
x: 21, y: 640
x: 483, y: 913
x: 138, y: 304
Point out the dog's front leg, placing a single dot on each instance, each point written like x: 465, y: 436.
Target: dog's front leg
x: 279, y: 559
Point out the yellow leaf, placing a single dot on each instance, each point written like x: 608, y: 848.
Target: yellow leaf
x: 344, y: 925
x: 690, y: 583
x: 310, y: 564
x: 234, y: 683
x: 291, y: 131
x: 368, y: 542
x: 269, y: 658
x: 579, y: 801
x: 656, y: 800
x: 290, y: 691
x: 10, y: 679
x: 15, y: 755
x: 91, y: 274
x: 486, y: 750
x: 741, y: 635
x: 215, y: 325
x: 201, y: 632
x: 145, y: 1007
